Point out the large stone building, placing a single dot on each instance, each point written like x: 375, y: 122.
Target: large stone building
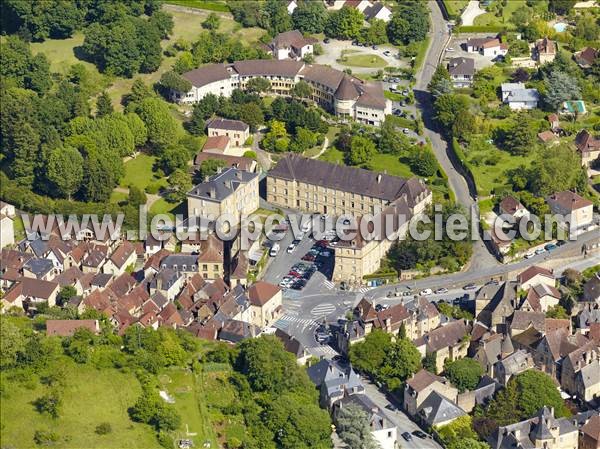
x: 231, y: 191
x: 332, y: 89
x: 321, y: 187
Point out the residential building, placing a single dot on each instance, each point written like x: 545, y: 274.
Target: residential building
x: 7, y: 231
x: 236, y: 130
x: 232, y: 191
x: 66, y: 328
x: 512, y: 207
x: 239, y: 162
x: 461, y: 71
x: 437, y: 411
x: 548, y: 137
x: 578, y: 212
x: 588, y: 147
x: 512, y: 365
x: 545, y: 51
x: 535, y: 275
x: 383, y: 430
x: 585, y: 385
x: 541, y: 431
x: 418, y: 388
x: 265, y: 300
x: 27, y: 292
x: 291, y: 6
x: 487, y: 46
x: 494, y: 304
x: 291, y: 45
x: 334, y: 381
x: 217, y: 144
x: 124, y: 256
x: 378, y: 11
x: 586, y: 57
x: 448, y: 342
x: 518, y: 97
x: 293, y: 346
x: 340, y: 93
x: 590, y: 433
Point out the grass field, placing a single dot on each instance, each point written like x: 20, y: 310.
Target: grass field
x: 370, y: 61
x: 331, y: 135
x: 490, y: 19
x: 90, y: 397
x: 455, y: 7
x: 184, y: 387
x: 138, y: 172
x: 333, y: 155
x: 391, y: 164
x: 201, y: 4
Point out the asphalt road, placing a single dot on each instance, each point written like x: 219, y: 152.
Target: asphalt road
x: 439, y: 36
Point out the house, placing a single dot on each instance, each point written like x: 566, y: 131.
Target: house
x: 437, y: 411
x: 591, y: 289
x: 494, y: 304
x: 588, y: 146
x: 447, y: 342
x: 152, y: 245
x: 590, y: 433
x: 124, y: 256
x: 541, y: 431
x: 7, y: 231
x: 236, y: 130
x: 39, y: 269
x: 587, y: 382
x: 27, y: 292
x: 461, y: 71
x: 378, y: 11
x: 518, y: 97
x: 360, y: 5
x: 334, y: 380
x: 586, y: 386
x: 421, y: 385
x: 216, y: 144
x: 66, y: 328
x: 72, y: 277
x: 291, y: 6
x: 586, y: 57
x: 523, y: 320
x: 230, y: 191
x: 512, y: 207
x: 548, y: 137
x: 489, y: 349
x: 512, y: 365
x: 577, y: 212
x: 240, y: 162
x: 487, y: 46
x: 235, y: 331
x: 535, y: 275
x: 7, y: 209
x: 384, y: 431
x: 168, y: 282
x: 291, y: 45
x: 293, y: 346
x: 265, y: 300
x: 554, y: 122
x: 544, y: 51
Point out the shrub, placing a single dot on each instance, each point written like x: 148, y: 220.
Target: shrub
x: 152, y: 189
x: 249, y: 141
x: 103, y: 428
x: 45, y: 437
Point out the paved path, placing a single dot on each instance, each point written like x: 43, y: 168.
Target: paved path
x: 263, y: 158
x: 471, y: 11
x: 439, y: 38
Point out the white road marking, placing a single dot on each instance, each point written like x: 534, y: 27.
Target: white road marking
x: 323, y: 309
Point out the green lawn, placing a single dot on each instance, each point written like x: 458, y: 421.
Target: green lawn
x: 455, y: 7
x: 184, y: 387
x: 363, y: 60
x: 117, y: 197
x: 333, y: 155
x: 90, y: 397
x: 138, y: 172
x: 391, y: 164
x: 331, y: 135
x: 201, y: 4
x: 421, y: 53
x: 490, y: 19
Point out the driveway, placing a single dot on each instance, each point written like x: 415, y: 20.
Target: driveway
x: 332, y: 51
x: 471, y: 11
x: 399, y: 418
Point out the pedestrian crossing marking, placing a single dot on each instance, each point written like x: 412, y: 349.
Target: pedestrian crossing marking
x: 286, y: 320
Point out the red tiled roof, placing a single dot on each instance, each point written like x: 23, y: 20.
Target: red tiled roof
x: 261, y: 292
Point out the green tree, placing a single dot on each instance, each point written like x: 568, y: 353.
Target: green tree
x: 310, y: 17
x: 137, y: 128
x: 161, y: 126
x: 375, y: 34
x: 136, y: 196
x: 208, y: 168
x: 12, y: 343
x: 195, y: 126
x: 354, y: 429
x: 402, y: 361
x: 361, y: 150
x: 562, y: 7
x: 101, y: 174
x: 558, y: 312
x: 277, y: 18
x: 104, y: 105
x: 26, y: 143
x: 301, y: 90
x: 252, y: 114
x: 464, y: 373
x: 259, y: 85
x: 173, y: 81
x: 212, y: 22
x: 555, y: 170
x: 163, y: 22
x: 369, y: 355
x: 65, y: 170
x: 410, y: 22
x: 447, y: 108
x: 423, y: 162
x: 345, y: 23
x: 174, y: 158
x: 180, y: 183
x: 520, y: 137
x: 430, y: 362
x: 65, y: 294
x: 561, y: 87
x: 50, y: 403
x: 305, y: 138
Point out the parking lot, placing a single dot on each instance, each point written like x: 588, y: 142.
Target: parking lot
x: 301, y: 265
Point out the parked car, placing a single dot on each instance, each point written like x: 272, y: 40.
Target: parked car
x: 406, y: 130
x: 540, y: 251
x: 291, y: 247
x: 387, y: 52
x: 450, y: 49
x: 426, y: 292
x: 470, y: 286
x: 420, y: 434
x: 391, y: 407
x: 440, y: 291
x: 550, y: 247
x: 274, y: 250
x: 407, y: 436
x: 529, y: 255
x: 374, y: 47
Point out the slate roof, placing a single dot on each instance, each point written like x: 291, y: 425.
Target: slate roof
x: 445, y: 336
x: 227, y: 124
x: 533, y: 271
x: 436, y: 409
x: 339, y: 177
x: 422, y: 379
x: 461, y: 66
x: 221, y: 185
x: 206, y: 74
x: 39, y: 267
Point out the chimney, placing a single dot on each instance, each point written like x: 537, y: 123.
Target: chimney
x: 212, y: 193
x: 379, y: 178
x: 388, y: 324
x: 238, y: 174
x: 206, y: 178
x: 158, y: 282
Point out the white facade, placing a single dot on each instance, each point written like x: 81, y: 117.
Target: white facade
x: 7, y: 232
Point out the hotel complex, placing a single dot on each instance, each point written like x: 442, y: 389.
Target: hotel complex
x: 336, y: 91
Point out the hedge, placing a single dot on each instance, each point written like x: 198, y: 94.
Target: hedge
x: 480, y: 29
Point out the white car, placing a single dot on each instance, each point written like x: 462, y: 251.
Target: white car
x: 441, y: 291
x: 450, y: 49
x: 406, y: 130
x: 426, y: 292
x: 306, y: 227
x: 291, y: 247
x: 529, y: 255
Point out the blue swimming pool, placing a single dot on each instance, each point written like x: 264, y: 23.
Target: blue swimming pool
x: 560, y: 27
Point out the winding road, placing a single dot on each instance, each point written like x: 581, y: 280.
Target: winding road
x: 439, y: 36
